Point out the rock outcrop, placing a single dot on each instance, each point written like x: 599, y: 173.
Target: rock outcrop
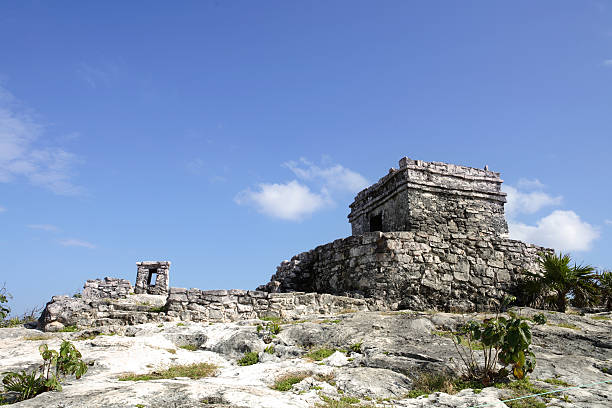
x: 378, y: 358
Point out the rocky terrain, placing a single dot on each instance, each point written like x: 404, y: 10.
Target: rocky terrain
x: 380, y: 357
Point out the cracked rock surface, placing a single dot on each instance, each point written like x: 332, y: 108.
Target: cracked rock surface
x: 377, y: 358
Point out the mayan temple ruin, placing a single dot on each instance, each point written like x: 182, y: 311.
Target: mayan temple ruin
x: 426, y: 236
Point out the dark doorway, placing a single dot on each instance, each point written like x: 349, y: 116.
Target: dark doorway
x: 152, y: 277
x: 376, y: 223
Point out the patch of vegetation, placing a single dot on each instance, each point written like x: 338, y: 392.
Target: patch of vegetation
x: 193, y: 371
x: 347, y: 311
x: 428, y: 383
x: 522, y: 388
x: 274, y: 319
x: 539, y: 318
x: 320, y: 354
x: 565, y: 325
x: 556, y: 381
x: 180, y: 324
x: 38, y: 337
x: 601, y: 317
x: 356, y: 347
x: 287, y: 381
x: 190, y: 347
x: 56, y: 366
x: 157, y: 309
x: 604, y: 285
x: 344, y: 402
x: 249, y: 358
x: 86, y: 336
x: 269, y: 349
x: 139, y: 406
x: 326, y: 321
x: 70, y: 329
x: 171, y: 351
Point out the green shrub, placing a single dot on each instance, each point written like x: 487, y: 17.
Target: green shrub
x: 70, y: 329
x: 504, y: 341
x: 356, y: 347
x: 560, y: 283
x: 286, y: 382
x: 4, y: 297
x: 269, y: 349
x: 56, y: 366
x: 190, y: 347
x: 605, y: 289
x: 249, y: 358
x: 539, y: 318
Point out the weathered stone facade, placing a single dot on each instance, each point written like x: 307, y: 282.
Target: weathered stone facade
x: 153, y: 277
x: 411, y: 270
x: 434, y: 198
x: 111, y: 288
x: 231, y: 305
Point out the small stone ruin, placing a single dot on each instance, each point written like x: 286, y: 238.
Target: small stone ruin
x: 153, y: 278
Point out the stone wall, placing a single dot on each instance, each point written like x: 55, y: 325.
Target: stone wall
x: 432, y: 197
x: 152, y: 277
x: 231, y: 305
x: 111, y: 288
x: 412, y: 270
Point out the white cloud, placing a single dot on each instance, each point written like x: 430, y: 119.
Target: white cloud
x: 77, y: 243
x: 43, y: 227
x: 609, y: 222
x: 519, y: 202
x: 21, y: 153
x: 334, y: 178
x: 608, y: 63
x: 291, y: 201
x: 530, y: 184
x: 561, y: 230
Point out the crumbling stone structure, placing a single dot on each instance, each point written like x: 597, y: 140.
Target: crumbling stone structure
x: 425, y: 236
x: 109, y: 288
x: 153, y: 278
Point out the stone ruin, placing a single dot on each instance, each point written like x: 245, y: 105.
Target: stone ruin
x: 428, y: 235
x: 153, y: 278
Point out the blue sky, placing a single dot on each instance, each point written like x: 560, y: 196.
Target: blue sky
x: 228, y: 136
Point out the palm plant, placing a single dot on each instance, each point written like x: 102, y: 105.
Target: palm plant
x: 605, y: 289
x: 565, y: 280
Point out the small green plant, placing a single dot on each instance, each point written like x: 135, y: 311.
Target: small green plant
x: 77, y: 296
x: 320, y: 354
x: 69, y: 329
x: 555, y: 381
x: 4, y: 297
x: 180, y: 325
x: 56, y: 366
x: 539, y: 318
x: 269, y: 349
x: 601, y: 317
x: 565, y: 325
x: 190, y: 347
x: 286, y: 382
x: 504, y: 341
x: 193, y: 371
x: 249, y: 358
x: 356, y: 347
x: 157, y: 309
